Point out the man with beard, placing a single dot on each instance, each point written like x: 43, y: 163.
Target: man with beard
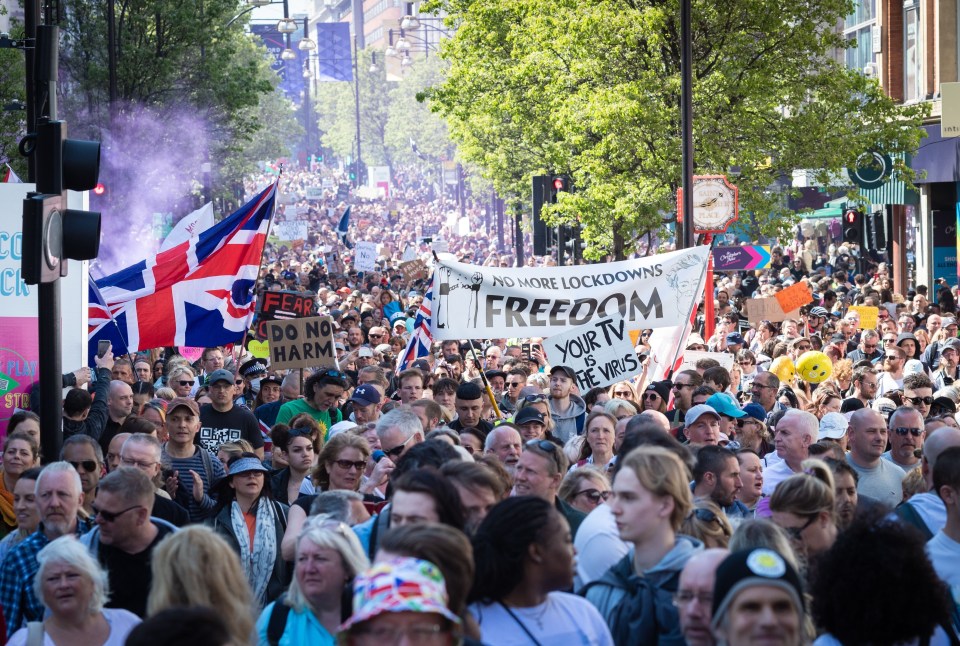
x: 569, y: 411
x: 505, y: 442
x: 716, y: 477
x: 906, y: 436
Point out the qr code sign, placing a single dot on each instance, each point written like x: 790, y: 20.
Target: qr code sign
x: 212, y: 438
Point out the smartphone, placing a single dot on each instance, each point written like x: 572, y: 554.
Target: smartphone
x: 102, y: 348
x: 525, y: 349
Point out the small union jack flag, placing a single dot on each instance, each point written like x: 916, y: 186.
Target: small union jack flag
x: 421, y: 340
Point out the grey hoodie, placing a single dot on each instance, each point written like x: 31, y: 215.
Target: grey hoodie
x: 570, y: 423
x: 639, y: 608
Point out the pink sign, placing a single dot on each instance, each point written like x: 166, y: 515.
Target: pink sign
x: 19, y: 358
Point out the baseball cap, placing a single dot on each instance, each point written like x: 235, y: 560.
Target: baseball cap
x: 724, y: 404
x: 490, y: 374
x: 953, y: 344
x: 271, y: 379
x: 756, y: 411
x: 838, y: 338
x: 884, y: 405
x: 734, y: 338
x: 749, y: 568
x: 365, y: 395
x: 698, y: 411
x: 527, y: 415
x: 833, y: 426
x: 399, y: 585
x: 365, y: 351
x: 695, y: 339
x: 947, y: 321
x: 219, y: 375
x: 567, y: 370
x: 188, y: 402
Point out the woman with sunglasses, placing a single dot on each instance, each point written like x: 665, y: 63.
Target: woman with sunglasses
x: 182, y: 379
x: 708, y: 524
x: 598, y: 447
x: 253, y: 523
x: 804, y: 505
x: 585, y: 488
x: 624, y: 390
x: 652, y: 497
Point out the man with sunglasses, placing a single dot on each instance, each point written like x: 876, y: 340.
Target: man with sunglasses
x: 948, y: 371
x: 867, y: 438
x: 515, y: 381
x: 865, y: 383
x: 868, y: 348
x: 539, y: 472
x: 918, y: 393
x: 684, y: 383
x: 891, y: 378
x: 85, y: 455
x: 125, y: 536
x: 906, y: 436
x: 223, y: 421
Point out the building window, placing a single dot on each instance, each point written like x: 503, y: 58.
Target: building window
x: 912, y: 52
x: 859, y: 27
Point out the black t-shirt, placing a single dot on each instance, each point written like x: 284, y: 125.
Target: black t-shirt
x: 129, y: 574
x: 235, y: 424
x: 170, y: 511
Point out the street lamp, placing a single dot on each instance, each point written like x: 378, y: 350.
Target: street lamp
x: 410, y: 20
x: 287, y: 25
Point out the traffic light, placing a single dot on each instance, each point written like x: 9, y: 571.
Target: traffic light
x: 542, y: 233
x: 853, y: 226
x: 52, y: 233
x: 876, y: 232
x: 561, y: 184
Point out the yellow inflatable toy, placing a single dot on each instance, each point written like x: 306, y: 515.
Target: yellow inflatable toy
x: 814, y: 367
x: 784, y: 369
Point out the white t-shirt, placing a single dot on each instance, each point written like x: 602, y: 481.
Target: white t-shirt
x: 121, y: 623
x: 944, y: 554
x: 562, y: 619
x: 774, y: 475
x: 599, y: 546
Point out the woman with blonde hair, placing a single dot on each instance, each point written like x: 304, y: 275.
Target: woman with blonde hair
x: 328, y: 556
x: 625, y: 390
x: 181, y: 379
x: 803, y: 506
x: 196, y: 567
x: 540, y: 403
x: 653, y: 497
x: 708, y: 524
x: 341, y: 463
x: 620, y: 408
x: 825, y: 400
x: 585, y: 488
x: 842, y: 375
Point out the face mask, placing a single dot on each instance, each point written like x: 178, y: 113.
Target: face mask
x: 255, y: 385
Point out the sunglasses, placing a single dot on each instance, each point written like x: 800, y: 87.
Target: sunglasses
x: 623, y: 393
x: 185, y: 383
x: 902, y: 431
x: 398, y: 449
x: 891, y: 357
x: 697, y: 348
x: 346, y: 465
x: 88, y: 465
x: 916, y: 401
x: 651, y: 397
x: 681, y: 386
x: 334, y: 373
x: 595, y: 495
x: 110, y: 516
x: 535, y: 398
x: 804, y: 348
x: 795, y: 532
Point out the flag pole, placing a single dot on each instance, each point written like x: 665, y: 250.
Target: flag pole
x: 263, y: 251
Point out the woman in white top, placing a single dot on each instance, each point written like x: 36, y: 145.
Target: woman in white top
x: 73, y: 587
x: 523, y: 551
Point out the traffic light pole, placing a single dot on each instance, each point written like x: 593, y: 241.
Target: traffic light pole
x: 685, y: 237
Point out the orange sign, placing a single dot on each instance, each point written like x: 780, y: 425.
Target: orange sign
x: 795, y: 296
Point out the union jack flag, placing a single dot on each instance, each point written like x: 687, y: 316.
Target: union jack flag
x: 198, y: 293
x: 421, y: 340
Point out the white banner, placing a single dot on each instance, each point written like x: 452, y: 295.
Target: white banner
x: 366, y: 256
x: 600, y: 352
x: 314, y: 192
x: 290, y: 230
x: 189, y: 225
x: 495, y: 302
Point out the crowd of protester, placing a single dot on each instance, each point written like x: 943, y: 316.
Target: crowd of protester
x: 741, y: 500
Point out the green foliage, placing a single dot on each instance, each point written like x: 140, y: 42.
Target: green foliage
x: 12, y: 88
x: 593, y: 90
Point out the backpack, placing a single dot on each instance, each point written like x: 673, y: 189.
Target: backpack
x: 278, y: 620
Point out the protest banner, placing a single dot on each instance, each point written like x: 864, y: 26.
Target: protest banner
x: 315, y: 192
x: 503, y: 302
x: 290, y: 230
x: 282, y: 305
x: 768, y: 309
x: 794, y: 297
x: 413, y: 270
x: 868, y: 316
x: 600, y: 353
x: 366, y: 256
x: 691, y: 357
x: 302, y: 343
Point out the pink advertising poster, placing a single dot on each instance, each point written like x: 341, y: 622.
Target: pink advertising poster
x: 18, y: 365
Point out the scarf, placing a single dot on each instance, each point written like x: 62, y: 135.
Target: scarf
x: 257, y: 563
x: 8, y: 517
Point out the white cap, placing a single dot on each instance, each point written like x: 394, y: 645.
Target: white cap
x: 833, y: 426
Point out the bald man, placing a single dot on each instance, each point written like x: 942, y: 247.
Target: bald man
x: 867, y: 438
x: 695, y: 594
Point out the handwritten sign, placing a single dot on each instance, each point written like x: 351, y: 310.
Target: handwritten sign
x: 691, y: 357
x: 600, y: 353
x: 413, y: 270
x: 302, y: 343
x: 869, y: 316
x: 768, y: 309
x: 366, y: 256
x: 794, y: 297
x: 282, y: 305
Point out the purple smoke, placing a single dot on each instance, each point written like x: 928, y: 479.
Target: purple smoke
x: 150, y: 164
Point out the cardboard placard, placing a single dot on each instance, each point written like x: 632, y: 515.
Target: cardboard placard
x: 282, y: 305
x: 365, y: 258
x: 691, y: 357
x: 794, y: 297
x: 600, y: 352
x: 314, y: 192
x: 302, y: 343
x: 413, y: 270
x: 869, y: 316
x: 767, y: 309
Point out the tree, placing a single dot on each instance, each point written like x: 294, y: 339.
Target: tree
x: 410, y: 119
x: 12, y: 88
x: 593, y: 90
